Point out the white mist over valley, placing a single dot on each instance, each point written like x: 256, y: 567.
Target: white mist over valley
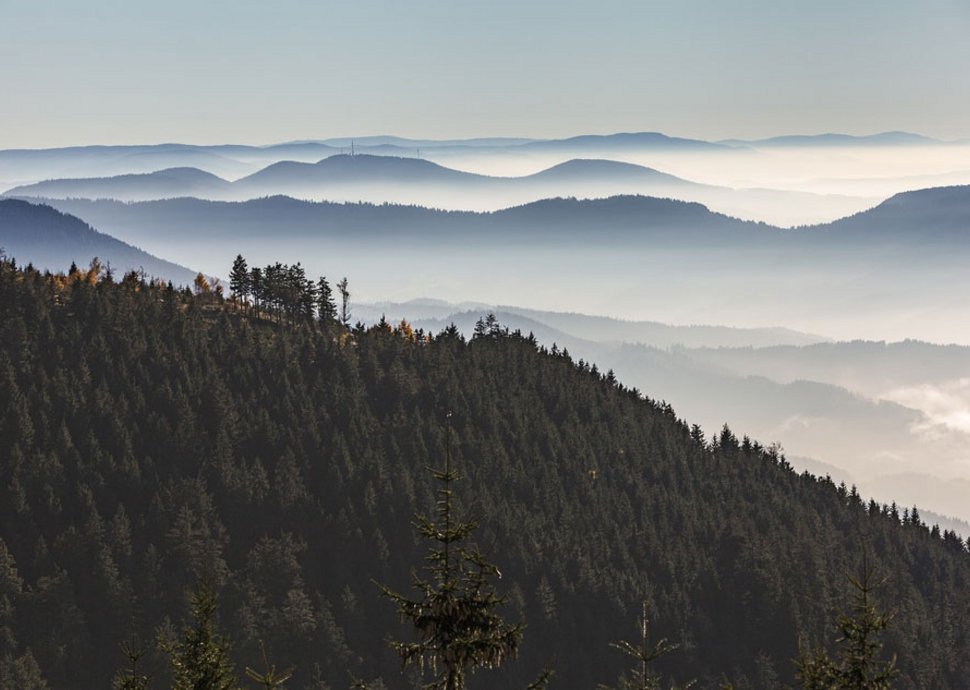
x: 832, y: 269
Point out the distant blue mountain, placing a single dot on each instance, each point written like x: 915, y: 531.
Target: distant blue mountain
x: 345, y: 176
x: 623, y: 141
x: 599, y: 170
x: 834, y: 140
x: 169, y: 183
x: 50, y: 239
x: 622, y: 221
x: 345, y: 169
x: 939, y: 213
x: 404, y: 142
x: 923, y: 219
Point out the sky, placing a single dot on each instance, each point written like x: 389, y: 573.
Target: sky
x: 214, y: 71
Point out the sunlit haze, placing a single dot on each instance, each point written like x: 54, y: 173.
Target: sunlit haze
x: 105, y: 72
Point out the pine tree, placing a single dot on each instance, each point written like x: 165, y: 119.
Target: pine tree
x: 240, y: 280
x: 455, y: 620
x: 326, y: 309
x: 344, y: 301
x: 132, y: 678
x: 269, y: 679
x: 643, y: 677
x: 257, y: 287
x: 200, y: 660
x: 857, y: 666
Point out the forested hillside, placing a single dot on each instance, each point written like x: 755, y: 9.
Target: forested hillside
x: 47, y: 238
x: 150, y: 438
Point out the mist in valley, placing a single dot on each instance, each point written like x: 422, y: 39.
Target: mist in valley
x: 804, y: 336
x: 782, y: 183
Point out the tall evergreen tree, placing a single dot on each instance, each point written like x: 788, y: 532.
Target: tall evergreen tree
x: 344, y: 301
x: 132, y: 678
x: 200, y: 660
x: 857, y: 666
x: 326, y: 309
x: 455, y: 620
x: 642, y: 676
x: 240, y: 280
x: 270, y: 678
x: 257, y: 287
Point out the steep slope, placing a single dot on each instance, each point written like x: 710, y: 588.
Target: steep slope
x: 50, y: 239
x: 160, y: 438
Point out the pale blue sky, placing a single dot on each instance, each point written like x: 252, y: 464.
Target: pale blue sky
x: 211, y: 71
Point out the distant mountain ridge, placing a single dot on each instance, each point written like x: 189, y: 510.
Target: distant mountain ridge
x: 641, y: 140
x: 616, y: 219
x: 24, y: 166
x: 343, y: 169
x: 908, y: 218
x: 832, y: 139
x: 51, y: 239
x: 167, y: 183
x: 410, y: 180
x: 943, y: 212
x: 339, y: 175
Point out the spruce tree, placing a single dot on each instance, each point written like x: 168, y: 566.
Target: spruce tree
x: 240, y: 282
x: 857, y: 666
x: 270, y: 678
x: 642, y: 676
x: 200, y: 660
x: 342, y: 286
x: 455, y: 616
x: 132, y: 678
x: 326, y: 309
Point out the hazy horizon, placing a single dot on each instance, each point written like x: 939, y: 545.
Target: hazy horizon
x: 125, y: 72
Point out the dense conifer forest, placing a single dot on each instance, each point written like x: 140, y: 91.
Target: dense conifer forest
x: 152, y: 439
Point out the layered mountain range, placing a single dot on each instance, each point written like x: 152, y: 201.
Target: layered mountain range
x: 380, y: 178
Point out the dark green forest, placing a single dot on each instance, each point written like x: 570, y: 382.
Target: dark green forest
x: 153, y: 438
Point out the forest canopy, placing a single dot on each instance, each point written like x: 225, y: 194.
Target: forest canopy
x: 152, y: 438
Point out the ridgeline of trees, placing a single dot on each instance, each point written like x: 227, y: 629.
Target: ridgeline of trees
x: 152, y: 439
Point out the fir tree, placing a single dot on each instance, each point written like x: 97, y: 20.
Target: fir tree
x: 344, y: 301
x: 269, y: 679
x: 455, y: 620
x: 132, y: 678
x: 642, y: 676
x: 240, y: 281
x: 326, y: 309
x: 200, y: 660
x: 858, y: 666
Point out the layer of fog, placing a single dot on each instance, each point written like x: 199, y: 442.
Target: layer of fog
x: 739, y: 289
x: 851, y: 170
